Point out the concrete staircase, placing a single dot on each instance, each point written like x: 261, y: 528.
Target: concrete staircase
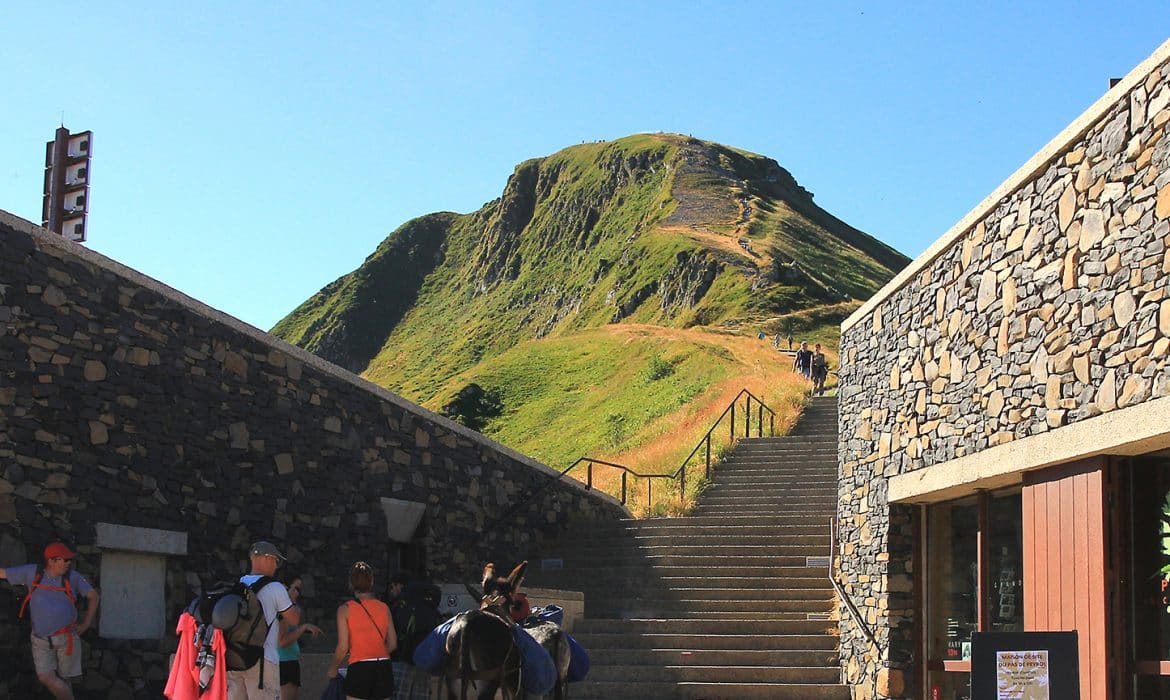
x: 730, y: 602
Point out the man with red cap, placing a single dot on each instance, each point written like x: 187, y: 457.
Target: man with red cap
x: 53, y: 591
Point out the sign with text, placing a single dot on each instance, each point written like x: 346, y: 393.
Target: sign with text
x: 1025, y: 666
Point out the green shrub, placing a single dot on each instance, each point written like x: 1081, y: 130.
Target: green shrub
x: 615, y: 428
x: 658, y: 369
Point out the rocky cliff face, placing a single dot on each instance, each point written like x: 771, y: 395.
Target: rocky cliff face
x: 661, y: 229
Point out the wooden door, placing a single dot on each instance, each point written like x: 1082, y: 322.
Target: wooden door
x: 1065, y: 563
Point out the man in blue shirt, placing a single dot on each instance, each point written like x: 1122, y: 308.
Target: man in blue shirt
x: 52, y: 607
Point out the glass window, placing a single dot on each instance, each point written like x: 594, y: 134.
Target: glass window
x: 1005, y: 600
x: 952, y: 564
x: 1150, y: 561
x: 969, y: 589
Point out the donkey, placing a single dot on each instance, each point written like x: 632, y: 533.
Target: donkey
x: 481, y: 650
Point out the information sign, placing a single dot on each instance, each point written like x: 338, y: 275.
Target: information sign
x: 1024, y: 666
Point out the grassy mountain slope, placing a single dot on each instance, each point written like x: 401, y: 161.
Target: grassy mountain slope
x: 658, y: 230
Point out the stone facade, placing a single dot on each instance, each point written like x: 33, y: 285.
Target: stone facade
x: 127, y: 403
x: 1046, y: 306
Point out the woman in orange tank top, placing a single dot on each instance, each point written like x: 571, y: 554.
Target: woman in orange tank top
x: 366, y: 635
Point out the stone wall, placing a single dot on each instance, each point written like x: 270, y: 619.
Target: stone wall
x: 127, y: 403
x: 1046, y: 306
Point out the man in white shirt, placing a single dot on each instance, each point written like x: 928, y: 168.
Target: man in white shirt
x: 262, y: 681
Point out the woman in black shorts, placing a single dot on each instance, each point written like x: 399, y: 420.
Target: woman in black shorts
x: 290, y: 647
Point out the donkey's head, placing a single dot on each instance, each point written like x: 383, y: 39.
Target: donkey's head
x: 498, y: 590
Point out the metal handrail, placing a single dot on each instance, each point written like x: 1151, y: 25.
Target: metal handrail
x: 841, y: 593
x: 705, y: 441
x: 679, y: 473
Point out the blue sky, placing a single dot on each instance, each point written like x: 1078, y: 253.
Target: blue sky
x: 249, y: 153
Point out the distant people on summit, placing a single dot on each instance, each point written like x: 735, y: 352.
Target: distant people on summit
x: 803, y: 361
x: 820, y: 370
x: 53, y: 592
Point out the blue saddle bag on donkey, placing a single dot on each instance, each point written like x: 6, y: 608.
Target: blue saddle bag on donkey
x: 538, y: 674
x: 578, y: 657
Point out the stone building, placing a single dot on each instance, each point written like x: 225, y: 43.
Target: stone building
x: 161, y: 437
x: 1005, y: 422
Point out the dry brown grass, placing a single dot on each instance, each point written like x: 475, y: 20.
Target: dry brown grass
x: 666, y: 442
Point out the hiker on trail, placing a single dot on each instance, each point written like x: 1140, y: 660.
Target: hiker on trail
x: 51, y: 603
x: 366, y: 635
x: 262, y: 680
x: 289, y: 648
x: 802, y: 362
x: 820, y: 370
x: 414, y: 612
x: 789, y: 341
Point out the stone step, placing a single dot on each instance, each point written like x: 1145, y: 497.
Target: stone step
x: 714, y: 657
x: 802, y: 643
x: 825, y: 440
x: 765, y: 476
x: 769, y: 467
x: 724, y: 575
x: 821, y: 447
x: 685, y: 542
x: 805, y: 469
x: 685, y: 671
x: 791, y: 491
x: 670, y: 590
x: 659, y: 601
x: 780, y: 500
x: 712, y: 527
x: 772, y: 520
x: 794, y: 465
x: 726, y: 564
x: 740, y: 625
x: 622, y: 613
x: 771, y: 485
x: 624, y: 690
x: 812, y: 509
x: 643, y: 606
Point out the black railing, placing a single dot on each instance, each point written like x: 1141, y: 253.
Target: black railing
x: 680, y: 474
x: 705, y: 444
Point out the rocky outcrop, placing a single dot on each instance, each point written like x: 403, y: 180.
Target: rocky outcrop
x: 498, y: 257
x: 685, y: 284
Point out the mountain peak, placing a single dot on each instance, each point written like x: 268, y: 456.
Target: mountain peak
x: 657, y: 228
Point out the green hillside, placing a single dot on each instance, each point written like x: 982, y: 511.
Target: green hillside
x: 659, y: 230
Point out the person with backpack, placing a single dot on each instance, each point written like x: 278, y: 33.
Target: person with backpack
x: 51, y: 604
x: 414, y: 609
x: 261, y: 679
x: 366, y: 635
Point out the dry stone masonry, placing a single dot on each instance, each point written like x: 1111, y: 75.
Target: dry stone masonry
x: 1050, y: 307
x: 123, y: 402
